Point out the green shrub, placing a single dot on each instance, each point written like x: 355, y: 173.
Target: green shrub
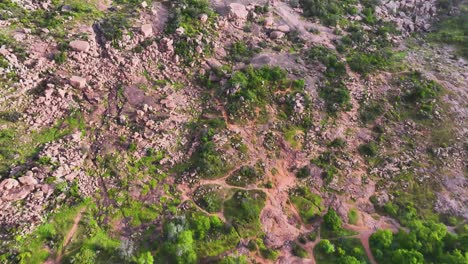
x: 332, y: 221
x: 371, y: 111
x: 368, y: 62
x: 326, y: 246
x: 299, y: 251
x: 239, y: 51
x: 370, y: 149
x: 303, y: 172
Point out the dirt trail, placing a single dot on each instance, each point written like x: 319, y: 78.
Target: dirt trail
x: 68, y: 237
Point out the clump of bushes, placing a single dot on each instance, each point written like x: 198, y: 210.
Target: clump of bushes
x: 453, y: 29
x: 207, y: 160
x: 328, y: 162
x: 194, y: 236
x: 370, y: 149
x: 371, y: 111
x: 113, y: 27
x: 329, y: 12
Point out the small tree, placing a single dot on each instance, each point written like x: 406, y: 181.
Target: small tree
x: 332, y: 221
x: 326, y: 246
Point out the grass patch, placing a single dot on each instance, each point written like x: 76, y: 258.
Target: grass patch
x: 308, y: 204
x: 243, y: 210
x: 210, y: 198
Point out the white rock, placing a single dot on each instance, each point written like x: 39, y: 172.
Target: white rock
x: 203, y: 18
x: 180, y: 31
x: 78, y: 82
x: 144, y: 4
x: 276, y: 34
x: 8, y: 184
x: 238, y: 11
x: 284, y: 28
x: 269, y: 21
x: 79, y: 45
x: 27, y: 180
x: 147, y: 30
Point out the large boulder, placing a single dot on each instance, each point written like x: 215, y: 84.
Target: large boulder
x: 79, y: 45
x: 78, y: 82
x: 28, y: 180
x: 238, y: 11
x: 8, y: 184
x: 147, y: 30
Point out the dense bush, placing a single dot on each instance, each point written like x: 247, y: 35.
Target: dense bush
x: 240, y: 52
x: 341, y: 251
x: 333, y: 90
x: 332, y: 221
x: 366, y: 63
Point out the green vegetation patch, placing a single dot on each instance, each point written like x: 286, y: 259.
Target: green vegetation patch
x: 36, y: 247
x: 18, y: 147
x: 243, y: 210
x: 207, y: 160
x: 453, y: 30
x: 195, y: 236
x: 419, y: 96
x: 330, y: 12
x: 426, y: 242
x: 210, y: 198
x: 332, y: 226
x: 341, y: 251
x: 333, y: 89
x: 246, y: 175
x: 308, y: 204
x: 252, y: 89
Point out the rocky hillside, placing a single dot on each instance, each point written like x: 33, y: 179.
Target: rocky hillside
x: 234, y: 131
